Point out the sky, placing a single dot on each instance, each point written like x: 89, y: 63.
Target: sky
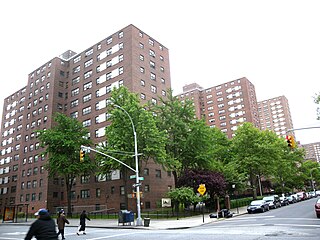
x: 275, y: 43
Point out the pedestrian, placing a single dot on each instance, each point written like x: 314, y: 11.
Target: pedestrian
x: 82, y: 227
x: 61, y: 222
x: 44, y: 228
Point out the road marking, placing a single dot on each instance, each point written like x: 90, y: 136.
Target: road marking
x: 112, y: 236
x: 10, y: 238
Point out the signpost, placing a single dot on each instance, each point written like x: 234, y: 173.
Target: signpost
x: 202, y: 189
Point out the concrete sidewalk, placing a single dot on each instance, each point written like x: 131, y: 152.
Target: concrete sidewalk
x: 181, y: 223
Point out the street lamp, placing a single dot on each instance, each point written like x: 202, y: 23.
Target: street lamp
x: 139, y: 219
x: 312, y: 183
x: 259, y: 182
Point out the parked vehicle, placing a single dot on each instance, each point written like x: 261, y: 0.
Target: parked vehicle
x: 297, y: 197
x: 258, y: 206
x: 284, y: 201
x: 292, y: 199
x: 273, y: 201
x: 302, y: 195
x: 317, y: 208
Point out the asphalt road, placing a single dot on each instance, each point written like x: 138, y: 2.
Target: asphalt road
x: 296, y: 221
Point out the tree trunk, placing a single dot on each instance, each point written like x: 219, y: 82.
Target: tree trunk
x: 69, y: 184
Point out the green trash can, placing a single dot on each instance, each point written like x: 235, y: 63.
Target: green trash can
x: 146, y: 222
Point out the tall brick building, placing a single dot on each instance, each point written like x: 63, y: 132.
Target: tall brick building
x: 275, y: 115
x: 226, y: 105
x: 79, y: 85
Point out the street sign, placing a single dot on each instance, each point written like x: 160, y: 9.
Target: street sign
x: 136, y: 185
x: 166, y: 202
x: 132, y: 176
x: 141, y: 178
x: 202, y: 189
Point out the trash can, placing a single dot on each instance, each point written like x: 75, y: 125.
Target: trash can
x: 146, y: 222
x: 125, y: 217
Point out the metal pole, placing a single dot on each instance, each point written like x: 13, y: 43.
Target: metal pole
x: 260, y: 188
x: 139, y: 219
x: 312, y: 183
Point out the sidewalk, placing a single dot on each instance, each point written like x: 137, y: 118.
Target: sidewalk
x: 181, y: 223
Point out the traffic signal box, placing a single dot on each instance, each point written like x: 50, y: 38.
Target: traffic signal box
x: 290, y: 141
x: 82, y: 154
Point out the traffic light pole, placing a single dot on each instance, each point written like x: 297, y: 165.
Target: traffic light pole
x: 295, y: 129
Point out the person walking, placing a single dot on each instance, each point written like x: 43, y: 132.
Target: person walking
x: 82, y: 227
x: 61, y: 222
x: 44, y: 228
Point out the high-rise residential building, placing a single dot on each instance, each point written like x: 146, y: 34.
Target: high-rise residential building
x: 79, y: 85
x: 275, y: 115
x: 312, y: 151
x: 226, y: 105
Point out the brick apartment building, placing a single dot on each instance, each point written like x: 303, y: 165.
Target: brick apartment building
x: 312, y: 151
x: 275, y: 115
x: 79, y: 86
x: 226, y: 105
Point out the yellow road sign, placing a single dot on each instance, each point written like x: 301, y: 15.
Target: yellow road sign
x: 202, y: 189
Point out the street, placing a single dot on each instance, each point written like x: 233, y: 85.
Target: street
x: 296, y: 221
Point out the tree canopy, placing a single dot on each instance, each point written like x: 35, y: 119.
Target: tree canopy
x: 62, y: 145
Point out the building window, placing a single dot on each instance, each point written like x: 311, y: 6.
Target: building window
x: 153, y: 89
x: 75, y: 92
x: 146, y: 188
x: 87, y: 86
x: 141, y: 57
x: 86, y: 123
x: 89, y: 52
x: 142, y: 82
x: 146, y: 171
x: 98, y: 192
x: 74, y: 103
x: 122, y: 192
x: 152, y: 53
x: 85, y: 179
x: 88, y: 74
x: 158, y: 173
x: 87, y: 98
x: 85, y: 193
x: 109, y: 40
x: 88, y: 63
x: 86, y: 110
x: 76, y: 69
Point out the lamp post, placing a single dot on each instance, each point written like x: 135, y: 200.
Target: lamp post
x: 139, y: 219
x: 259, y: 182
x: 312, y: 183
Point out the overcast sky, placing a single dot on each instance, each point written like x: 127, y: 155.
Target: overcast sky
x: 274, y: 43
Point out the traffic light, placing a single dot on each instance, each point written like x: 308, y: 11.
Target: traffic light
x: 82, y: 153
x: 290, y: 141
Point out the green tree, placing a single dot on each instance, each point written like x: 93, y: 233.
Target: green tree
x: 120, y: 138
x: 285, y: 170
x: 317, y: 101
x: 310, y: 171
x: 62, y: 145
x: 254, y: 153
x: 187, y: 142
x: 183, y: 195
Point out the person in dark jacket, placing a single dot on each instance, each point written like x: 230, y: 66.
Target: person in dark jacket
x: 82, y: 226
x: 61, y: 222
x: 44, y: 228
